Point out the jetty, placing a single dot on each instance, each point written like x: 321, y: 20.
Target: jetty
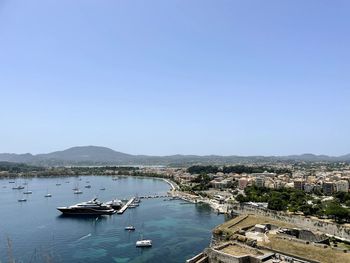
x: 153, y: 196
x: 122, y: 210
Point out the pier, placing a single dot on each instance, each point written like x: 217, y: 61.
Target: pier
x: 122, y: 210
x: 153, y: 196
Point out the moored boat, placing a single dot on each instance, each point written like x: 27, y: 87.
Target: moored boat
x: 93, y: 207
x: 144, y: 243
x: 20, y: 187
x: 130, y: 228
x: 115, y: 204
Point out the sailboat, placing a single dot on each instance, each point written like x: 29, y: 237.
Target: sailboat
x: 47, y: 193
x: 76, y: 190
x: 130, y: 227
x: 27, y: 192
x: 143, y: 242
x: 19, y: 187
x: 22, y: 199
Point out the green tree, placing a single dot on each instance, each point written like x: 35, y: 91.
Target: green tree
x: 336, y: 211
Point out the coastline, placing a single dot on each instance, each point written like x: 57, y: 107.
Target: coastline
x: 174, y: 190
x: 172, y: 184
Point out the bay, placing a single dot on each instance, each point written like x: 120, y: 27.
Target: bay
x: 39, y: 233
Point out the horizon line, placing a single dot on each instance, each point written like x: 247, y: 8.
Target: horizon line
x: 201, y: 155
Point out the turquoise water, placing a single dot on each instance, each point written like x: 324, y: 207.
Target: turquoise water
x: 38, y: 233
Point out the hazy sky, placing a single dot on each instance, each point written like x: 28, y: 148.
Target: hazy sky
x: 165, y: 77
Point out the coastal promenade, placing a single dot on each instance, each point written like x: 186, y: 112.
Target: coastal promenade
x: 220, y: 208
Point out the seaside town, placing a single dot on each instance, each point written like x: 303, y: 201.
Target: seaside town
x: 302, y: 219
x: 275, y: 212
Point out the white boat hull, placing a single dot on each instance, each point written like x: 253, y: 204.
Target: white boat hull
x: 144, y: 243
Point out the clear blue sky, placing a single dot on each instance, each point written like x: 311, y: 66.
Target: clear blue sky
x: 165, y: 77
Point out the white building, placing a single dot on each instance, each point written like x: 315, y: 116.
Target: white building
x: 260, y: 181
x: 342, y: 186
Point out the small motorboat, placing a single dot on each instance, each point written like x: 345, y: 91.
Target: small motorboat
x: 27, y: 192
x: 48, y: 195
x: 78, y: 192
x: 130, y: 228
x: 102, y: 189
x: 58, y: 184
x: 22, y: 200
x: 87, y: 186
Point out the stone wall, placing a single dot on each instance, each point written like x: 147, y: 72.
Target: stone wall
x: 216, y: 256
x: 196, y: 258
x: 334, y: 229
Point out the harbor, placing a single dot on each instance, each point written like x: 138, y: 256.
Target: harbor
x: 101, y: 238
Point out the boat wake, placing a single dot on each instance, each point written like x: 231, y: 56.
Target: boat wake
x: 83, y: 237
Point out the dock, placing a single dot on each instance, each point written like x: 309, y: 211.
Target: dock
x: 122, y: 210
x: 153, y: 196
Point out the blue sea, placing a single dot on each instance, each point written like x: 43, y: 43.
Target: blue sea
x: 35, y: 231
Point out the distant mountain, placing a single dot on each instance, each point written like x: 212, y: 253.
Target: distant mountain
x: 20, y: 158
x: 95, y: 155
x: 87, y: 154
